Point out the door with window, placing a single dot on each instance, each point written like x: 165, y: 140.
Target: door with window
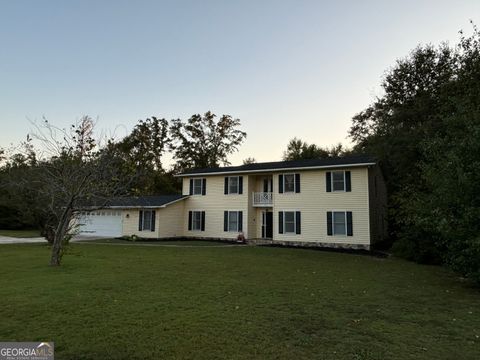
x: 267, y: 224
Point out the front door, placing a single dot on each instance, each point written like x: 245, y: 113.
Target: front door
x: 267, y: 224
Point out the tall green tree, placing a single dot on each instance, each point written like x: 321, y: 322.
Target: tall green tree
x: 203, y: 141
x: 425, y: 130
x: 142, y: 152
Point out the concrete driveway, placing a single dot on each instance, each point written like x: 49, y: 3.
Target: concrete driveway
x: 16, y: 240
x: 12, y: 240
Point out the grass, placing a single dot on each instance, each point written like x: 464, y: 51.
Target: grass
x: 20, y: 233
x: 188, y: 243
x: 144, y: 302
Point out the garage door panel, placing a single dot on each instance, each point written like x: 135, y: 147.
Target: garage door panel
x: 101, y: 223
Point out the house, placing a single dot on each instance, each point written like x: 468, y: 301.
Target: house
x: 335, y: 202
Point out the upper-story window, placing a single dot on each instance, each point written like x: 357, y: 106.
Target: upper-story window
x: 198, y: 186
x: 338, y: 181
x: 233, y: 185
x: 289, y: 183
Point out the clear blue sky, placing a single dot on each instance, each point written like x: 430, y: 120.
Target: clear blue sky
x: 285, y: 68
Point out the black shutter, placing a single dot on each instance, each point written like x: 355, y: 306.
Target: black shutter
x: 298, y: 222
x: 280, y: 183
x: 225, y: 221
x: 202, y: 226
x: 225, y: 186
x: 349, y: 224
x: 240, y: 184
x: 190, y: 214
x: 140, y: 220
x: 348, y: 181
x: 265, y: 185
x: 240, y: 221
x: 329, y: 223
x: 328, y: 181
x: 297, y: 183
x: 152, y: 226
x: 191, y: 186
x: 204, y: 186
x: 280, y: 222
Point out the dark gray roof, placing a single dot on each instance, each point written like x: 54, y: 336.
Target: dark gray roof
x: 144, y: 201
x: 355, y: 160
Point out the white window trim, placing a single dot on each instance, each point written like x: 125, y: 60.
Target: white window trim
x: 201, y: 186
x: 193, y: 212
x: 344, y: 181
x: 238, y: 186
x: 333, y: 222
x: 294, y: 222
x: 294, y: 183
x: 228, y: 220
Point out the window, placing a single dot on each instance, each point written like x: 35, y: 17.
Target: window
x: 146, y: 220
x: 197, y: 186
x: 196, y: 220
x: 233, y: 185
x: 289, y: 183
x: 289, y: 219
x: 233, y: 221
x: 289, y: 222
x: 338, y: 180
x: 339, y: 223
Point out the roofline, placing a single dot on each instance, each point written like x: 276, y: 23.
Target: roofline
x: 276, y: 169
x: 138, y: 206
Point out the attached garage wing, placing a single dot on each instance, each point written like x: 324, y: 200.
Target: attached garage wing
x: 101, y: 223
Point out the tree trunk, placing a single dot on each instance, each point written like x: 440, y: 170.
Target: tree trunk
x: 60, y: 233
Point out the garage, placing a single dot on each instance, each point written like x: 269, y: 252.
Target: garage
x: 101, y: 223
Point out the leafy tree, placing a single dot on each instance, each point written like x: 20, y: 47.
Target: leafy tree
x: 426, y: 131
x: 202, y: 141
x: 249, y: 160
x: 146, y: 144
x: 141, y: 152
x: 300, y: 150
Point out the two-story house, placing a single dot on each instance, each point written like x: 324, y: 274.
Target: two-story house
x: 335, y: 202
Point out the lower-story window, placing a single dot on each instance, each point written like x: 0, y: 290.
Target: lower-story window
x: 196, y: 220
x: 233, y: 221
x: 289, y: 222
x: 146, y: 220
x: 339, y: 223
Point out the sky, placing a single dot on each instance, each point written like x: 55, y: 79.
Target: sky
x: 284, y: 68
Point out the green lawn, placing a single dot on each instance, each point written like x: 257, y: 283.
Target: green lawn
x: 20, y: 233
x: 145, y: 302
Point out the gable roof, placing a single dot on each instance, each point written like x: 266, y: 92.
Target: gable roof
x: 337, y: 162
x: 154, y: 201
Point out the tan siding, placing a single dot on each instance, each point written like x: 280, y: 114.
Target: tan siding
x: 214, y: 203
x: 313, y: 201
x: 168, y: 222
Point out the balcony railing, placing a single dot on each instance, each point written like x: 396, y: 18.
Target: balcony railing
x: 262, y: 199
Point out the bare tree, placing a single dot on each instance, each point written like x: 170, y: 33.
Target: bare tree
x: 72, y: 172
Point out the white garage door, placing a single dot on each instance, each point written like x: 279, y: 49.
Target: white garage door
x: 101, y: 223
